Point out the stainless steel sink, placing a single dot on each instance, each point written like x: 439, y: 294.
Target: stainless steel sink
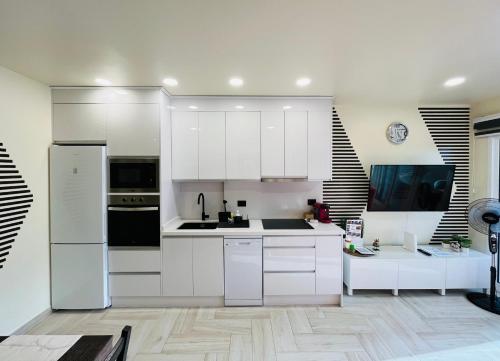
x: 198, y: 225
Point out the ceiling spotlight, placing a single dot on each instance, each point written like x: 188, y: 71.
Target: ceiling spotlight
x: 454, y: 81
x: 303, y: 82
x: 239, y: 107
x: 170, y: 82
x: 236, y: 82
x: 102, y: 82
x: 193, y: 107
x: 286, y: 107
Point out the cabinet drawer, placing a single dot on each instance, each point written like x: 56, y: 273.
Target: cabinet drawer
x: 289, y: 259
x: 281, y: 284
x: 293, y: 241
x: 134, y: 285
x: 134, y: 260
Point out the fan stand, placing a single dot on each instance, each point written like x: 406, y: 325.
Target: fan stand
x: 489, y: 302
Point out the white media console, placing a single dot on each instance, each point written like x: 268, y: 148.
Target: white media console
x: 395, y: 268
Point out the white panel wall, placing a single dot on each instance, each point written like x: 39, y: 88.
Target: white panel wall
x: 25, y: 130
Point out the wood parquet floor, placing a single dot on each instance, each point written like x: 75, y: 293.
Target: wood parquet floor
x: 371, y: 326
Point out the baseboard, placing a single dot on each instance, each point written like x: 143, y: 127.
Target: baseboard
x: 303, y: 300
x: 33, y: 322
x: 167, y: 301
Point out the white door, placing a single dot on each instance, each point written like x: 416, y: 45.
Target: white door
x: 184, y: 145
x: 79, y: 276
x: 133, y: 130
x: 208, y: 266
x: 272, y: 133
x: 79, y: 122
x: 296, y: 144
x: 319, y: 145
x: 212, y: 145
x: 77, y: 194
x: 177, y: 266
x: 243, y: 145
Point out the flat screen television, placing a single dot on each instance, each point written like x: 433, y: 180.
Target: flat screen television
x: 410, y: 188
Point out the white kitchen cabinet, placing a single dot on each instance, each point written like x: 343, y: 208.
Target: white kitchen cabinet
x: 134, y: 285
x: 208, y: 266
x: 319, y: 154
x: 79, y: 122
x: 133, y: 130
x: 184, y: 145
x: 140, y: 260
x: 273, y: 144
x: 177, y: 266
x: 328, y: 265
x: 289, y: 284
x: 243, y: 145
x: 296, y: 144
x: 211, y: 145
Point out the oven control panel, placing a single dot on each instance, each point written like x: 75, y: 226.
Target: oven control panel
x: 133, y: 199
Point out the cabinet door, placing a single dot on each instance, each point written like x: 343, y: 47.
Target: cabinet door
x: 133, y: 130
x: 79, y: 122
x: 273, y: 144
x: 295, y: 144
x: 319, y: 133
x: 243, y: 145
x: 212, y: 145
x: 177, y: 266
x: 184, y: 145
x: 328, y: 265
x: 208, y: 266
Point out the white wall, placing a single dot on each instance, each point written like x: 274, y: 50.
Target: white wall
x: 25, y: 130
x: 366, y: 126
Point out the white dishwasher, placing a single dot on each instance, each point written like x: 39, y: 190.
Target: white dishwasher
x: 243, y: 271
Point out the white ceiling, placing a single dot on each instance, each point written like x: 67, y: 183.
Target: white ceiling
x: 356, y: 50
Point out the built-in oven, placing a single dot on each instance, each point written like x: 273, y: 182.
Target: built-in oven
x: 134, y: 175
x: 134, y: 220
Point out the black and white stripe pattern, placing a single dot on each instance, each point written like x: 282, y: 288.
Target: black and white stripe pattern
x: 450, y: 131
x: 347, y: 192
x: 15, y: 200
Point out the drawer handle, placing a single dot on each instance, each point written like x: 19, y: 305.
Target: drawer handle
x: 289, y: 271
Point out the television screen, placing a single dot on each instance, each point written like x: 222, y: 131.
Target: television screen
x: 412, y: 188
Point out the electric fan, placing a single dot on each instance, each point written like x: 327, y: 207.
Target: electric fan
x: 484, y: 216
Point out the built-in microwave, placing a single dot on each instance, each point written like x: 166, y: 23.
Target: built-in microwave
x: 134, y: 175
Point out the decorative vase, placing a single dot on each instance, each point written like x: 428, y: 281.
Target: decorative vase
x: 445, y: 245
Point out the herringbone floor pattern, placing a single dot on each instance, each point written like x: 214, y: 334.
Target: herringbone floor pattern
x: 371, y: 326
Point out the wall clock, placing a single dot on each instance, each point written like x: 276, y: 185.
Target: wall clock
x: 397, y: 132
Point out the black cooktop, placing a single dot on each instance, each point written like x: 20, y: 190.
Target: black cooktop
x: 285, y: 224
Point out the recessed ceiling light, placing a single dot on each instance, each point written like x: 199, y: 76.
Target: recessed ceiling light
x: 170, y: 82
x: 171, y: 107
x: 286, y: 107
x: 102, y: 81
x: 239, y: 107
x: 303, y: 82
x: 236, y: 82
x: 454, y: 81
x: 193, y: 107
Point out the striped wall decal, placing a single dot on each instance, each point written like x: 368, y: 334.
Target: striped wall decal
x: 347, y: 192
x: 450, y: 131
x: 15, y: 200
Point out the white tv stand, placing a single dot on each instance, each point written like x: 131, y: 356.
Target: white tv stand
x: 395, y: 268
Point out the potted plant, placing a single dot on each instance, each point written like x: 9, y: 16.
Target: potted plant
x: 446, y: 243
x: 464, y: 242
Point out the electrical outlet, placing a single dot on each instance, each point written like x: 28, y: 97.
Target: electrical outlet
x: 311, y: 202
x: 242, y: 203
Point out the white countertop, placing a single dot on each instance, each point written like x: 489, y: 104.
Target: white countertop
x: 255, y: 229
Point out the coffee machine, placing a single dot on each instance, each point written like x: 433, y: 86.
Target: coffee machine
x: 322, y: 212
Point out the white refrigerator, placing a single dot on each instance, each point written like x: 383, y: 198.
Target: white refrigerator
x: 78, y: 231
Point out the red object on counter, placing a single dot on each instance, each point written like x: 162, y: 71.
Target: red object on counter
x: 322, y: 212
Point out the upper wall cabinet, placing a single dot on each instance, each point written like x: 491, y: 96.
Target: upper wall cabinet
x: 212, y: 145
x: 79, y: 122
x: 243, y: 145
x: 272, y: 136
x: 184, y: 145
x: 133, y: 130
x: 319, y: 155
x: 128, y: 120
x: 296, y: 144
